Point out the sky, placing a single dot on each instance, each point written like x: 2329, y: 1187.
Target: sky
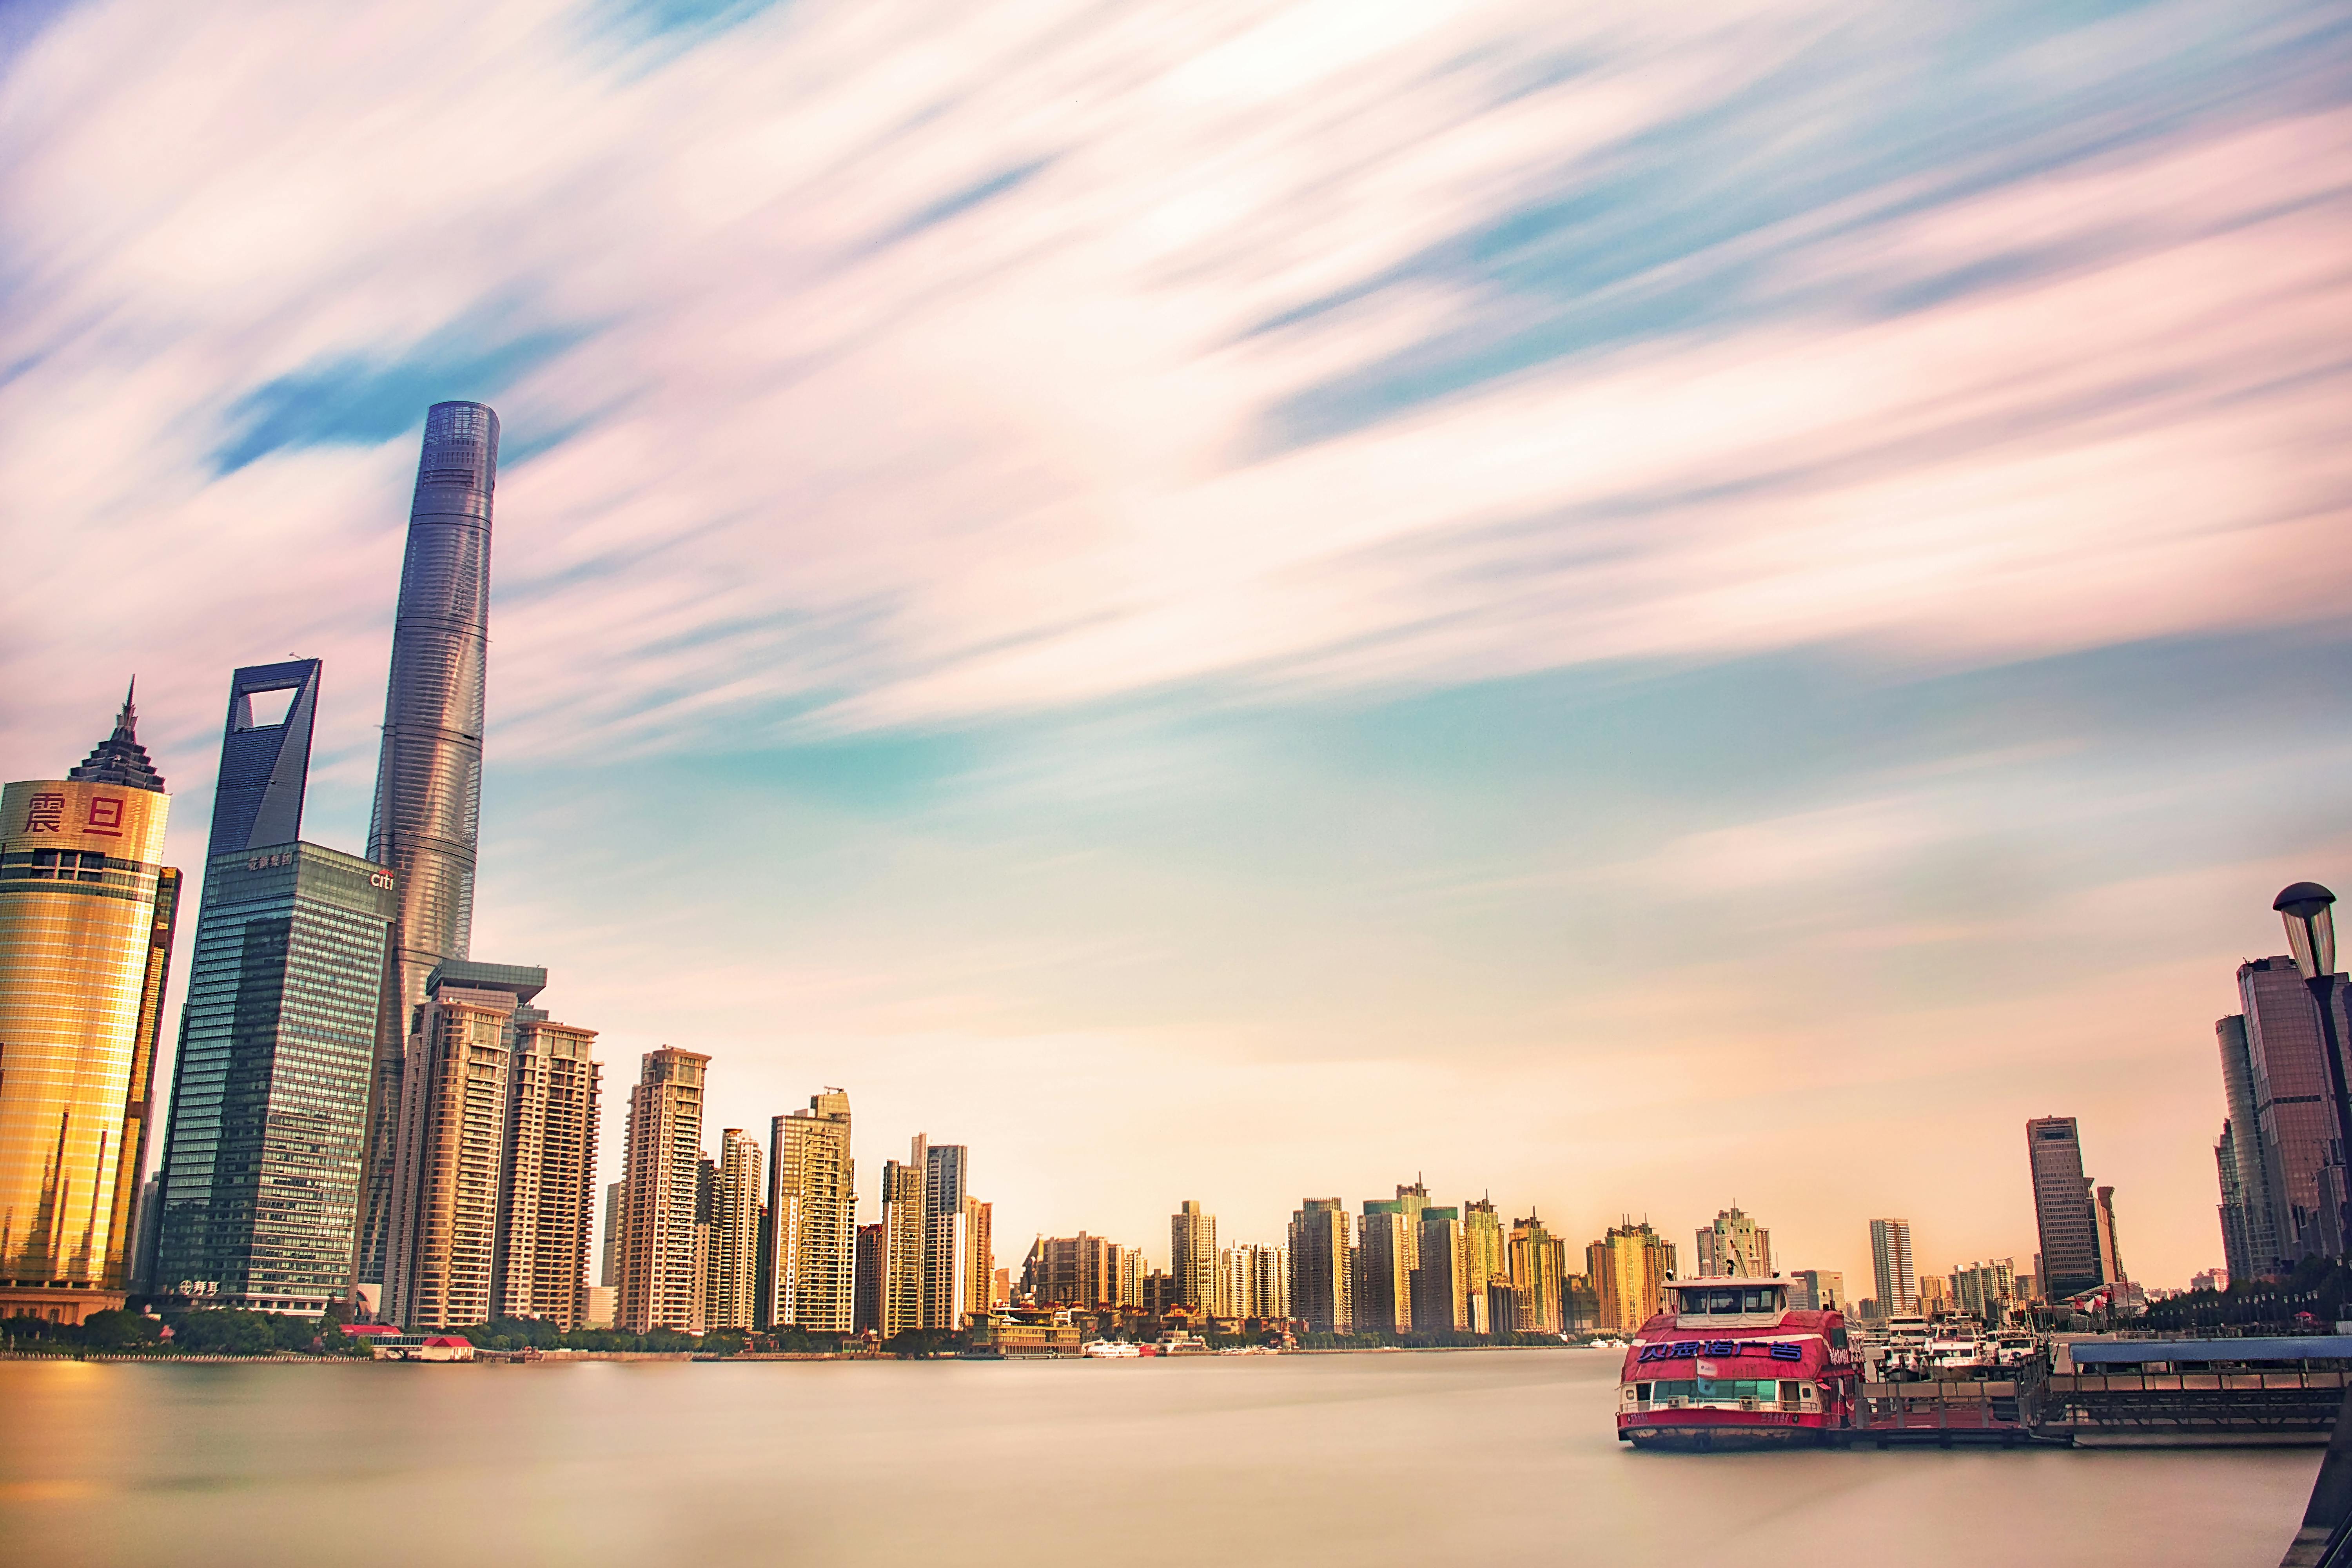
x: 1630, y: 607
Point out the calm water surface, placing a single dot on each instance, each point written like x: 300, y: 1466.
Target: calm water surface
x: 1495, y: 1459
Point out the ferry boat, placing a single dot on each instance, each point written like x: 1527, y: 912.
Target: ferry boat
x: 1729, y: 1365
x: 1111, y: 1349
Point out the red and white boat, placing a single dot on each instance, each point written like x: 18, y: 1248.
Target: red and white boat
x: 1729, y: 1365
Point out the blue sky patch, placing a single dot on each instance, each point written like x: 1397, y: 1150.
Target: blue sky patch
x: 361, y: 402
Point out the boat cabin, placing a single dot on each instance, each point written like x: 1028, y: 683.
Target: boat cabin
x: 1729, y: 1303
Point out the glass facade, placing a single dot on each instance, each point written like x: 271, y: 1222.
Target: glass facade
x: 260, y: 1176
x: 85, y: 913
x: 428, y: 781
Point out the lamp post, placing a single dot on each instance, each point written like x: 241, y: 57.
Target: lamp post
x: 2307, y: 907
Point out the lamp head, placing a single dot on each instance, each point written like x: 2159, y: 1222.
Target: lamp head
x: 2308, y: 909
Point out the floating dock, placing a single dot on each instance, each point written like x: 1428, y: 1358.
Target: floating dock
x: 2124, y: 1393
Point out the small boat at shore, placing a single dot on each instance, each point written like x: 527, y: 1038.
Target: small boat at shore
x: 1111, y: 1349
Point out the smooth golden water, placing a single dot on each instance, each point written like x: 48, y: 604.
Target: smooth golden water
x: 1495, y: 1459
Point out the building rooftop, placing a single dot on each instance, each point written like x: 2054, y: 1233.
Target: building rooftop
x: 119, y: 759
x: 520, y: 981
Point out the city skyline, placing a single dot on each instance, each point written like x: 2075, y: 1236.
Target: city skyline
x: 1403, y: 616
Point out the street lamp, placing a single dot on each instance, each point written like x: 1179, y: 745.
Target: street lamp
x: 2311, y: 937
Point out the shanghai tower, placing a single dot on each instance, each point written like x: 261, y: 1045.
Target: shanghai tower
x: 428, y: 781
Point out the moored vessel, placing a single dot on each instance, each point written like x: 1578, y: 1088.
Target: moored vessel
x: 1731, y: 1364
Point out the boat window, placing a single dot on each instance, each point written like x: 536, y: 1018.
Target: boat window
x: 1765, y: 1300
x: 1723, y: 1301
x: 1837, y: 1337
x: 1720, y: 1388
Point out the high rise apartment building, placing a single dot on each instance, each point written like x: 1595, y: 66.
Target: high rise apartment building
x: 867, y: 1313
x: 87, y: 909
x: 1192, y: 1256
x: 1079, y: 1270
x: 899, y: 1247
x: 661, y: 1181
x: 1629, y: 1265
x: 1441, y: 1273
x: 1251, y: 1282
x: 259, y: 1185
x: 1891, y: 1268
x: 733, y: 1281
x: 548, y: 1183
x: 428, y: 783
x: 1487, y: 1260
x: 948, y: 1262
x: 1269, y: 1271
x: 2292, y: 1109
x: 450, y: 1147
x: 979, y: 1276
x: 812, y: 1218
x: 1735, y: 1247
x: 1387, y: 1239
x: 608, y: 1274
x: 2063, y: 1211
x: 1985, y: 1290
x: 1322, y: 1269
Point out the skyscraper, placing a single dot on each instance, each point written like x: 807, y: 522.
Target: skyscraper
x: 1322, y: 1267
x: 2248, y: 1185
x: 946, y: 1236
x: 1079, y: 1270
x: 1441, y: 1274
x: 1192, y: 1256
x: 1488, y: 1261
x: 2103, y: 1221
x: 735, y: 1234
x: 264, y: 768
x: 1890, y: 1266
x: 1629, y: 1265
x: 1385, y: 1247
x: 900, y: 1249
x: 2293, y: 1115
x: 609, y: 1271
x: 2062, y: 1207
x: 813, y: 1217
x: 260, y: 1178
x: 1735, y: 1247
x: 660, y: 1287
x: 980, y: 1273
x: 428, y: 781
x: 86, y: 915
x: 546, y: 1191
x: 450, y: 1145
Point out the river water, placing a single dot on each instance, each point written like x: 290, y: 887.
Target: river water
x: 1496, y: 1458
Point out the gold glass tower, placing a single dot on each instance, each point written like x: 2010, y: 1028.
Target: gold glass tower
x: 86, y: 913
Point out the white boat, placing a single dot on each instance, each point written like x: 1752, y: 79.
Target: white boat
x: 1111, y: 1349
